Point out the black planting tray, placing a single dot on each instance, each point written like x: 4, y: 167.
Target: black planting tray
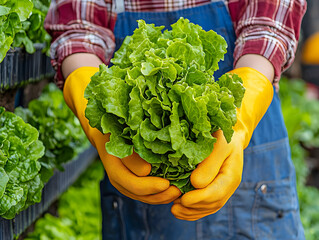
x: 19, y: 67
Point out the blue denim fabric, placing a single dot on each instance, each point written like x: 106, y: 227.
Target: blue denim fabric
x: 265, y: 206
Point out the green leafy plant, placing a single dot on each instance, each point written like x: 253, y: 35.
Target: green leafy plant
x: 79, y: 211
x: 30, y: 152
x: 301, y: 118
x: 59, y: 129
x: 12, y: 13
x: 293, y: 103
x: 304, y: 126
x: 161, y: 99
x: 20, y: 151
x: 21, y: 25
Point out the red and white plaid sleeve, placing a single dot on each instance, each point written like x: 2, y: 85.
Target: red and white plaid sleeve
x: 80, y: 26
x: 269, y: 28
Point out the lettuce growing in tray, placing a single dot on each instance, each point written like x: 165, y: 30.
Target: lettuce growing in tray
x: 21, y: 25
x: 20, y: 180
x: 59, y: 129
x: 160, y: 98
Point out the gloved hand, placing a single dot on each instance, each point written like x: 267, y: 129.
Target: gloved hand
x: 127, y: 175
x: 219, y: 175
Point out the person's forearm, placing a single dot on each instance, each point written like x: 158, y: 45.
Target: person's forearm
x: 78, y: 60
x: 259, y: 63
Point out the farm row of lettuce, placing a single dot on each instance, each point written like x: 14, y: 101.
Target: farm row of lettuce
x: 35, y: 141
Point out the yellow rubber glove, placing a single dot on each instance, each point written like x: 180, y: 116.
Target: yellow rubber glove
x: 219, y: 175
x: 127, y: 175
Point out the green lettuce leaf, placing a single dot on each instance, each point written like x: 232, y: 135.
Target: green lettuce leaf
x: 20, y: 151
x: 3, y: 181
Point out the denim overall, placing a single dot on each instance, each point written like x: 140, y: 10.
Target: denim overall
x: 265, y: 206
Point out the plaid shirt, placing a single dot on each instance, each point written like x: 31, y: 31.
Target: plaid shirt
x: 266, y: 27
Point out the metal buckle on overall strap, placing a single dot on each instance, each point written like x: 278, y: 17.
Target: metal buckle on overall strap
x: 118, y: 6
